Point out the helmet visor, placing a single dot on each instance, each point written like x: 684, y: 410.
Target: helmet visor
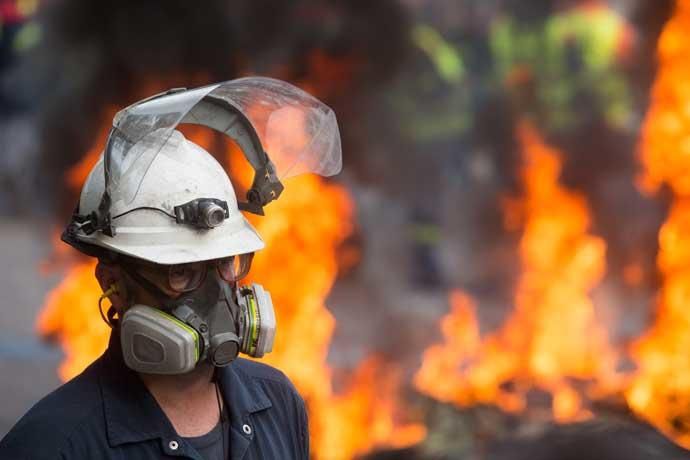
x: 297, y: 132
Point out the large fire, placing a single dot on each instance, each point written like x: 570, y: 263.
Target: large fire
x: 660, y: 391
x: 360, y: 418
x: 553, y: 336
x: 302, y: 231
x: 551, y: 342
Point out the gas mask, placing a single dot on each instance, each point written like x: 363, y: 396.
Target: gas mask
x: 212, y: 323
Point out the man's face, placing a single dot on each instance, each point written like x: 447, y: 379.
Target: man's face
x: 174, y: 280
x: 155, y: 274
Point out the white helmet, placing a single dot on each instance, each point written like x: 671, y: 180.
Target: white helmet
x: 157, y: 196
x: 182, y: 172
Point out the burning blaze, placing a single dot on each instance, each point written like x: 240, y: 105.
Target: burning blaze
x: 70, y: 314
x: 302, y: 231
x: 363, y: 416
x: 660, y: 390
x: 552, y: 337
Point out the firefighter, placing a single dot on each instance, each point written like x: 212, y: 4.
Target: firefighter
x: 567, y: 68
x: 432, y: 113
x: 162, y: 217
x: 586, y: 47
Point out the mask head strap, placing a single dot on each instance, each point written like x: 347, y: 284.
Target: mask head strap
x: 148, y: 286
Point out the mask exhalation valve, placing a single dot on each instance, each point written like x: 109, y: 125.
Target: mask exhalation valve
x: 224, y: 349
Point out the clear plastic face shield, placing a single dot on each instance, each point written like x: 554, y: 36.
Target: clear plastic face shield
x: 282, y: 131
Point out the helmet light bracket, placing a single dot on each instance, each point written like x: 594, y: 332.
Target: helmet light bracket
x: 202, y: 212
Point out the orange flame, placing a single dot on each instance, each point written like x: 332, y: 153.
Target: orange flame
x: 552, y: 336
x: 660, y: 390
x: 302, y: 231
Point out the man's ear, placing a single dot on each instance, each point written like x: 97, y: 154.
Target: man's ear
x: 112, y: 281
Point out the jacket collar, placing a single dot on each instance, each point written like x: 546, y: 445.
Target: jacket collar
x: 243, y: 397
x: 133, y: 415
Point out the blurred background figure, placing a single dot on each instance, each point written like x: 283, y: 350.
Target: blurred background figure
x: 19, y: 32
x: 563, y: 62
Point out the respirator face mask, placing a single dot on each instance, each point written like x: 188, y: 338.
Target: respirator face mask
x: 212, y: 320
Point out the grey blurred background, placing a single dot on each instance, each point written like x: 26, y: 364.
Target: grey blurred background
x: 27, y: 364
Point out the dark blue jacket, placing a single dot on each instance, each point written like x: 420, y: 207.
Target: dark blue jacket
x: 107, y: 413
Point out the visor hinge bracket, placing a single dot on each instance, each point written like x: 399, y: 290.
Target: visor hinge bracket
x: 90, y: 223
x: 265, y: 188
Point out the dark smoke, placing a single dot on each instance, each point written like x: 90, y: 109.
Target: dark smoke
x: 98, y: 55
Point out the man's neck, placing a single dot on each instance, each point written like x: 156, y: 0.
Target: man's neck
x: 189, y: 400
